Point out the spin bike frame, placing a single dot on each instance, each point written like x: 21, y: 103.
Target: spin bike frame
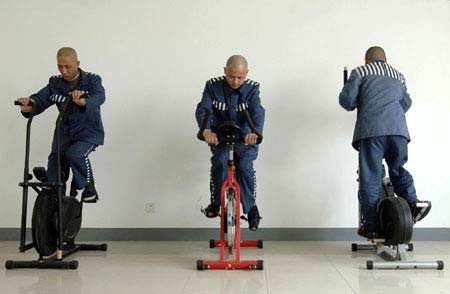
x: 230, y: 188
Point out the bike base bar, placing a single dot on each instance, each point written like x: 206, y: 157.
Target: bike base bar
x: 230, y: 265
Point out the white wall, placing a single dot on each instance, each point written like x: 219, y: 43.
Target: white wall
x: 154, y: 57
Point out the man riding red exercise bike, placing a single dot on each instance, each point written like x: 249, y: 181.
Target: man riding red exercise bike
x: 230, y: 133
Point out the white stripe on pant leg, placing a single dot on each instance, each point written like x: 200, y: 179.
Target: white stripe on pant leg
x: 211, y: 184
x: 88, y: 164
x: 254, y: 185
x: 88, y: 170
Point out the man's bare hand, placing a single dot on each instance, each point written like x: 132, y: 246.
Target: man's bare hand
x: 25, y: 101
x: 250, y: 138
x: 210, y: 137
x: 76, y: 97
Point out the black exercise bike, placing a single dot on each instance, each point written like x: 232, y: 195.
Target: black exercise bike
x: 56, y: 218
x: 395, y: 229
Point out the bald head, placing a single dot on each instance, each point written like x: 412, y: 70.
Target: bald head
x: 67, y: 52
x: 236, y: 71
x: 237, y: 61
x: 375, y: 53
x: 68, y: 63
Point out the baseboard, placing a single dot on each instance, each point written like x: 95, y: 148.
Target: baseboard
x: 199, y: 234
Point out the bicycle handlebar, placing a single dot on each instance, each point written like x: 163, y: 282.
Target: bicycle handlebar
x: 30, y: 103
x: 229, y: 132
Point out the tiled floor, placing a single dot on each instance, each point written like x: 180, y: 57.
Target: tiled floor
x: 170, y: 267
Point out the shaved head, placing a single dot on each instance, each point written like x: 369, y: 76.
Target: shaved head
x: 375, y: 53
x: 67, y: 52
x: 68, y: 63
x: 236, y: 71
x: 237, y: 61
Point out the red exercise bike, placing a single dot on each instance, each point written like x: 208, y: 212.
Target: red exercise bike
x: 230, y: 237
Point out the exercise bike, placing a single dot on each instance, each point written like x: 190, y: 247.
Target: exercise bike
x: 230, y: 238
x: 395, y: 230
x: 56, y: 218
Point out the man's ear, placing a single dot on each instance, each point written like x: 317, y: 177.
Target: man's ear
x: 225, y: 70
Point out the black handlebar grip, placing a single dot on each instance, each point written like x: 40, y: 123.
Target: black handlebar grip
x: 253, y: 128
x: 30, y: 103
x: 203, y: 126
x: 67, y: 100
x: 345, y: 75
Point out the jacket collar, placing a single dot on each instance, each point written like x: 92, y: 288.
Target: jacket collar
x: 241, y: 90
x: 62, y: 83
x: 83, y: 77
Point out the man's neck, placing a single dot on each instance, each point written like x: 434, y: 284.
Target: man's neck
x: 76, y: 77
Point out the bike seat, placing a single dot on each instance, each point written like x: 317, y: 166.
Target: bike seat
x: 40, y: 173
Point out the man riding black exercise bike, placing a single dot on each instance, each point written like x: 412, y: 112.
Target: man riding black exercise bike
x: 81, y: 130
x: 378, y: 91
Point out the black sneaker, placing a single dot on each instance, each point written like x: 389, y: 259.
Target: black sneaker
x: 212, y: 211
x: 370, y: 235
x: 89, y: 194
x: 420, y: 209
x: 253, y: 218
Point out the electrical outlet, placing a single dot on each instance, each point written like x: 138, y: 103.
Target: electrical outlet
x: 150, y: 207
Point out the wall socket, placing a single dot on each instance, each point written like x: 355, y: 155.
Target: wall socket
x: 150, y: 207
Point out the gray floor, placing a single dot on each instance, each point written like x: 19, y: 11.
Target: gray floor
x: 169, y: 267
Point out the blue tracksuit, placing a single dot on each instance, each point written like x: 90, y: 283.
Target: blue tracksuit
x: 225, y: 104
x: 378, y: 92
x: 81, y: 130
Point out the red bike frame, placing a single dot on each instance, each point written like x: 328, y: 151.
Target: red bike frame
x: 237, y: 263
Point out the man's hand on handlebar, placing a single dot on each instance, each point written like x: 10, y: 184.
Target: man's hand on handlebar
x: 210, y: 137
x: 25, y: 101
x: 250, y: 138
x: 76, y: 97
